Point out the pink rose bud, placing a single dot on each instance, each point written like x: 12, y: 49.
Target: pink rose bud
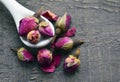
x: 45, y: 29
x: 72, y: 62
x: 66, y: 43
x: 23, y: 54
x: 44, y: 57
x: 70, y: 32
x: 33, y: 36
x: 27, y: 24
x: 63, y: 22
x: 50, y: 15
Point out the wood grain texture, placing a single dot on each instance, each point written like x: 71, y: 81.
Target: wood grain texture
x: 97, y: 22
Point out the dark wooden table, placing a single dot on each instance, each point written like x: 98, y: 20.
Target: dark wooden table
x: 97, y: 22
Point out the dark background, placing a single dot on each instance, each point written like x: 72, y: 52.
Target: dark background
x: 98, y: 24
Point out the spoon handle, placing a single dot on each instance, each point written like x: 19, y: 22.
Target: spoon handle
x: 17, y: 10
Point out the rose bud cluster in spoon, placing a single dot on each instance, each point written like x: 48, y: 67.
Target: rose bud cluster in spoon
x: 32, y: 28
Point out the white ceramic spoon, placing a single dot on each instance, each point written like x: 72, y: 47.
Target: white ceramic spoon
x: 18, y: 12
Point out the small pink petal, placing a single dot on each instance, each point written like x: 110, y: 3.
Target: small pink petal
x: 50, y: 15
x: 56, y: 60
x: 68, y: 21
x: 28, y: 56
x: 70, y: 32
x: 49, y: 69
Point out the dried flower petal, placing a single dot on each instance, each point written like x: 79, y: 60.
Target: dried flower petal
x: 52, y: 66
x: 68, y: 20
x: 24, y: 55
x: 70, y: 32
x: 49, y: 69
x: 56, y: 60
x: 27, y: 24
x: 33, y: 36
x: 50, y: 15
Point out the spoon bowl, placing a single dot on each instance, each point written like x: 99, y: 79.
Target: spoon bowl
x: 18, y: 12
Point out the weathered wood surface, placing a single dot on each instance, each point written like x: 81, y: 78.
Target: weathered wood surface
x: 98, y: 23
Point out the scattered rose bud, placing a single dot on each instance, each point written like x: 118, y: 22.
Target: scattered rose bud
x: 23, y: 54
x: 27, y: 24
x: 45, y: 29
x: 49, y: 68
x: 33, y: 36
x: 63, y: 22
x: 72, y: 62
x: 44, y: 57
x: 50, y: 15
x: 70, y: 32
x: 67, y: 43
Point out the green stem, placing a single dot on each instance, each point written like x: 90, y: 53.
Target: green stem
x: 58, y: 31
x: 55, y: 36
x: 78, y: 42
x: 77, y: 53
x: 53, y: 39
x: 52, y: 50
x: 38, y: 13
x: 14, y: 50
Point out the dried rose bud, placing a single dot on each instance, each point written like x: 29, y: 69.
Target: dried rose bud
x: 63, y: 22
x: 44, y: 56
x: 23, y: 54
x: 50, y: 15
x: 27, y: 24
x: 72, y: 62
x: 33, y: 36
x: 70, y: 32
x: 66, y: 43
x: 45, y: 29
